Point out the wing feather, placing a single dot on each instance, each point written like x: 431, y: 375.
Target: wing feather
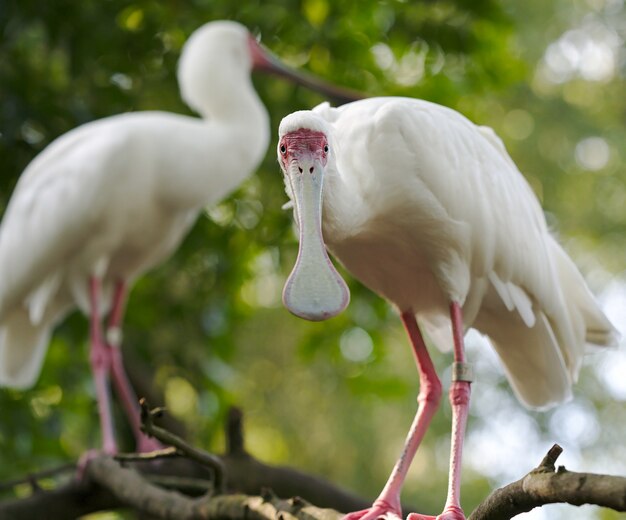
x: 523, y: 304
x: 502, y: 290
x: 53, y: 210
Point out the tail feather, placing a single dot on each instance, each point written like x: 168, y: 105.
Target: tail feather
x: 581, y: 304
x: 542, y: 361
x: 531, y: 356
x: 22, y: 349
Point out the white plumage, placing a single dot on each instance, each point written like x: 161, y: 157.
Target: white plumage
x: 115, y: 197
x: 111, y: 199
x: 429, y: 211
x: 425, y: 207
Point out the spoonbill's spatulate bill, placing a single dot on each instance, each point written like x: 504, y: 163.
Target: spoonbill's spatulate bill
x: 113, y: 198
x: 429, y: 211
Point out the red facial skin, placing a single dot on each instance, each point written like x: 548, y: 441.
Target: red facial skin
x: 300, y: 143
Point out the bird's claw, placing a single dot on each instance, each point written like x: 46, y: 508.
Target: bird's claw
x: 147, y: 444
x: 87, y: 457
x: 372, y: 514
x: 450, y: 513
x: 380, y: 510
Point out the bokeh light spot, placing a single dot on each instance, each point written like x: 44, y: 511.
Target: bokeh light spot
x: 592, y: 153
x: 518, y: 124
x: 356, y: 345
x: 181, y: 398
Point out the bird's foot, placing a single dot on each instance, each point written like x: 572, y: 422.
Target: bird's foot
x: 147, y: 444
x: 449, y: 513
x: 380, y: 510
x: 88, y: 456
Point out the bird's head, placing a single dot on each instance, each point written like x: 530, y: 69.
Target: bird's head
x: 314, y: 289
x: 221, y: 54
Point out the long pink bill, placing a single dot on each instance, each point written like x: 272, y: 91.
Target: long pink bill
x: 266, y: 61
x: 314, y: 290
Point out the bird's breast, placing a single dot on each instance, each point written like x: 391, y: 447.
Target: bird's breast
x: 396, y: 269
x: 148, y: 242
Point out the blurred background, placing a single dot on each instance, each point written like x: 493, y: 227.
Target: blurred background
x: 208, y: 330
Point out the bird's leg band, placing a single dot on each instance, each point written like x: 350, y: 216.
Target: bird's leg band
x: 114, y: 336
x: 462, y: 371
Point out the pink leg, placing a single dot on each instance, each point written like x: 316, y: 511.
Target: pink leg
x: 459, y: 400
x: 120, y: 379
x: 100, y: 365
x: 428, y: 398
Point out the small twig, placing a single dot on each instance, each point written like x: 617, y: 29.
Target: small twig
x: 234, y: 432
x: 548, y: 462
x: 166, y: 437
x: 35, y: 485
x: 46, y: 473
x: 164, y: 453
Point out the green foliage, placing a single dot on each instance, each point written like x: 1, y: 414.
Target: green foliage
x: 333, y: 398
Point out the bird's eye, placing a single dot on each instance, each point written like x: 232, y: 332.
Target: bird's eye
x: 325, y: 148
x: 283, y: 150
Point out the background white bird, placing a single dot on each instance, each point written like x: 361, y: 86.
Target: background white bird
x: 113, y: 198
x: 429, y: 211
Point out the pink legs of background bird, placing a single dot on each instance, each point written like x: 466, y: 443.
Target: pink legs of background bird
x: 428, y: 399
x: 100, y: 359
x: 106, y: 361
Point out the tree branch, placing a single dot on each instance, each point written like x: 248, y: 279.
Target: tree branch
x: 130, y: 488
x: 182, y: 447
x: 547, y: 485
x: 158, y: 490
x: 108, y: 485
x: 245, y: 475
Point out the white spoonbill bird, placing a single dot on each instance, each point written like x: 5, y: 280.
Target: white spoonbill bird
x: 111, y: 199
x: 429, y: 211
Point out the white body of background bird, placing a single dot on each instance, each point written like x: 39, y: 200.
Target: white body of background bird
x: 113, y: 198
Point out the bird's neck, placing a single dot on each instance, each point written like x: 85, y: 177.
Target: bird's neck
x: 228, y: 147
x: 242, y: 117
x: 233, y: 101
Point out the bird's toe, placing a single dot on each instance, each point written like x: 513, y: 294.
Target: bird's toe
x: 380, y: 510
x: 147, y: 444
x: 87, y: 457
x: 450, y: 513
